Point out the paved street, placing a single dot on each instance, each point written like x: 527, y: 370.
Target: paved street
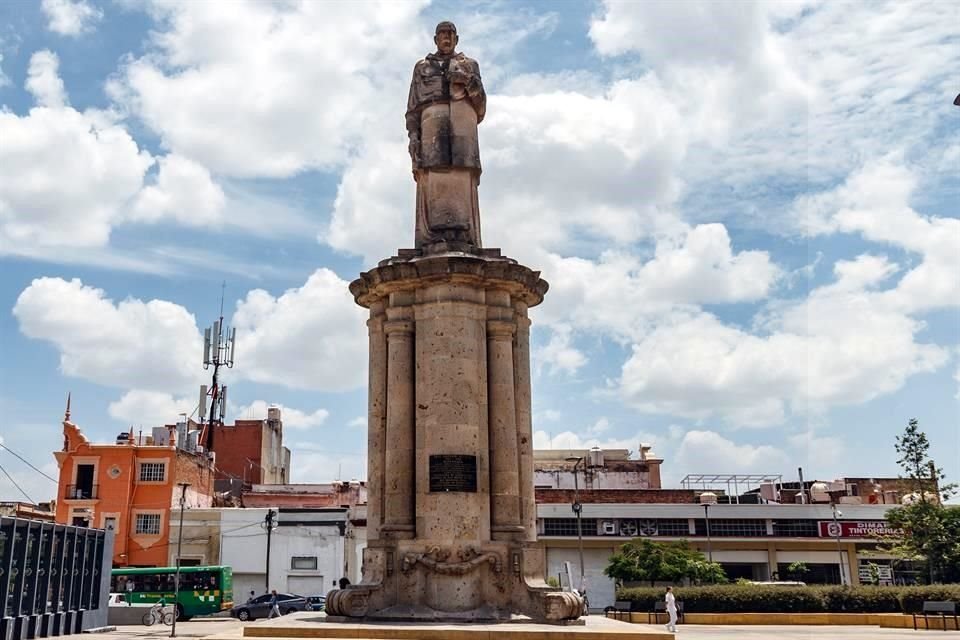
x: 196, y: 628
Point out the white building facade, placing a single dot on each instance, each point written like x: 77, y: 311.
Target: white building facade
x: 752, y: 541
x: 306, y: 547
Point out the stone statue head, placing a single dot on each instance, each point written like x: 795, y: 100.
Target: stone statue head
x: 446, y: 37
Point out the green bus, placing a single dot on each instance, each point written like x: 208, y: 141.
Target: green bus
x: 203, y: 590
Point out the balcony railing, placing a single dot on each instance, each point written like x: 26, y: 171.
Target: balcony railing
x: 82, y: 492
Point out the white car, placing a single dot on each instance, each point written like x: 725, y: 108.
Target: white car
x: 117, y: 599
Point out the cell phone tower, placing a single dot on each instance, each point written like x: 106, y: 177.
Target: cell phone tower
x: 219, y: 346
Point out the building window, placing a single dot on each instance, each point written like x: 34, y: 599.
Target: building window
x: 796, y: 528
x: 152, y: 471
x: 304, y: 563
x: 733, y: 528
x: 148, y: 524
x: 568, y: 526
x: 674, y: 527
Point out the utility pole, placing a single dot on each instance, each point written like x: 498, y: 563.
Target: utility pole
x: 176, y: 580
x: 837, y: 530
x: 577, y: 509
x: 269, y: 523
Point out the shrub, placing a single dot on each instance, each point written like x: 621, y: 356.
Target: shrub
x: 753, y: 598
x: 912, y: 598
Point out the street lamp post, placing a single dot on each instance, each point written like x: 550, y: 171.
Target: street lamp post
x: 836, y: 532
x: 706, y: 516
x: 577, y: 509
x: 176, y: 579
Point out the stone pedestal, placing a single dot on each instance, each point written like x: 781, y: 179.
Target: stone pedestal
x: 451, y: 520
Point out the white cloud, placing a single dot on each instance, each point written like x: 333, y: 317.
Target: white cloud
x: 812, y: 354
x: 184, y: 191
x: 4, y: 79
x: 70, y: 17
x: 874, y: 202
x: 620, y: 293
x: 311, y: 337
x: 572, y: 440
x: 270, y: 89
x: 43, y: 80
x: 66, y: 174
x: 317, y: 463
x: 709, y: 452
x: 360, y: 422
x: 292, y: 418
x: 37, y: 488
x: 151, y: 408
x: 558, y: 355
x: 131, y: 344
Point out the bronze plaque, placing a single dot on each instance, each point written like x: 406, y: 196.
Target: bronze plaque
x: 453, y: 473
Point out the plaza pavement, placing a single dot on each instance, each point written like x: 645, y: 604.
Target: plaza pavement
x: 200, y: 628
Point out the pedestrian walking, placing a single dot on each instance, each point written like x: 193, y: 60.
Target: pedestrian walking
x: 671, y: 610
x: 274, y: 604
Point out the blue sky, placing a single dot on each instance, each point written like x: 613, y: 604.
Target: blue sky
x: 746, y: 212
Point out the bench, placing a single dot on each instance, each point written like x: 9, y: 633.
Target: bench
x: 620, y: 606
x: 661, y: 607
x: 943, y: 608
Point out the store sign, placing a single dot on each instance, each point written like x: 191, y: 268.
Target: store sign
x: 869, y: 529
x: 884, y: 573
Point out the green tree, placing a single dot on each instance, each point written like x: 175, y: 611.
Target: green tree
x: 919, y: 468
x: 644, y: 560
x: 797, y: 570
x: 930, y: 530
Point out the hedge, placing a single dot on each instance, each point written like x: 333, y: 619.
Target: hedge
x: 734, y: 598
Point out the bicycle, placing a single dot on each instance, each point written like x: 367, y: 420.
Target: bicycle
x: 157, y: 614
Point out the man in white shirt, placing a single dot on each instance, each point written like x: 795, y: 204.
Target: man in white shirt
x: 671, y: 610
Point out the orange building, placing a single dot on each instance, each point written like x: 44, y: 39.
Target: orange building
x: 130, y: 486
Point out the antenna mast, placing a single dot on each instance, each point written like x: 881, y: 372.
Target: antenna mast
x: 219, y: 344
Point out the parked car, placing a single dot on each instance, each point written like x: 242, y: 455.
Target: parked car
x: 259, y: 607
x: 317, y: 603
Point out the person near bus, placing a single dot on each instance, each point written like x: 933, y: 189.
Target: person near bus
x: 671, y: 610
x: 274, y: 604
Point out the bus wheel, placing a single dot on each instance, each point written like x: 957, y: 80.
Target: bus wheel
x: 181, y: 617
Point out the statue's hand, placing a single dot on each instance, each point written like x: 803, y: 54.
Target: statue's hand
x: 459, y: 77
x: 414, y: 149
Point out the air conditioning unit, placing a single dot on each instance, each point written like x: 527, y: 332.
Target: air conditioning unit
x: 647, y: 527
x: 608, y: 527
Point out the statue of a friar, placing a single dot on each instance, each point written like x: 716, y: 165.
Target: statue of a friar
x: 446, y: 104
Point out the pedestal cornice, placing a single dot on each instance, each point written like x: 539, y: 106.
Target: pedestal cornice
x: 410, y: 271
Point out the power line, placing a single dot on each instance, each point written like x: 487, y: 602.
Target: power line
x: 24, y: 460
x: 10, y: 478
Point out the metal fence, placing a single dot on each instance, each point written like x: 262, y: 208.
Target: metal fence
x: 54, y: 579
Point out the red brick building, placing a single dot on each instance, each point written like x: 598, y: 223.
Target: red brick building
x: 252, y: 452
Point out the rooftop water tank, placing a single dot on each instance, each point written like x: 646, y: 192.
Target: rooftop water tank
x: 819, y: 492
x: 595, y: 457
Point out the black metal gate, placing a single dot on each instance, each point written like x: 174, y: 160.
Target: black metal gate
x: 54, y: 579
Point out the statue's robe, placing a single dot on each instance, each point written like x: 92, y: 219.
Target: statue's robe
x: 444, y: 118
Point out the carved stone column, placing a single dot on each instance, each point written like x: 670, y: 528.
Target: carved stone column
x: 376, y: 419
x: 400, y: 493
x: 521, y: 372
x: 504, y: 476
